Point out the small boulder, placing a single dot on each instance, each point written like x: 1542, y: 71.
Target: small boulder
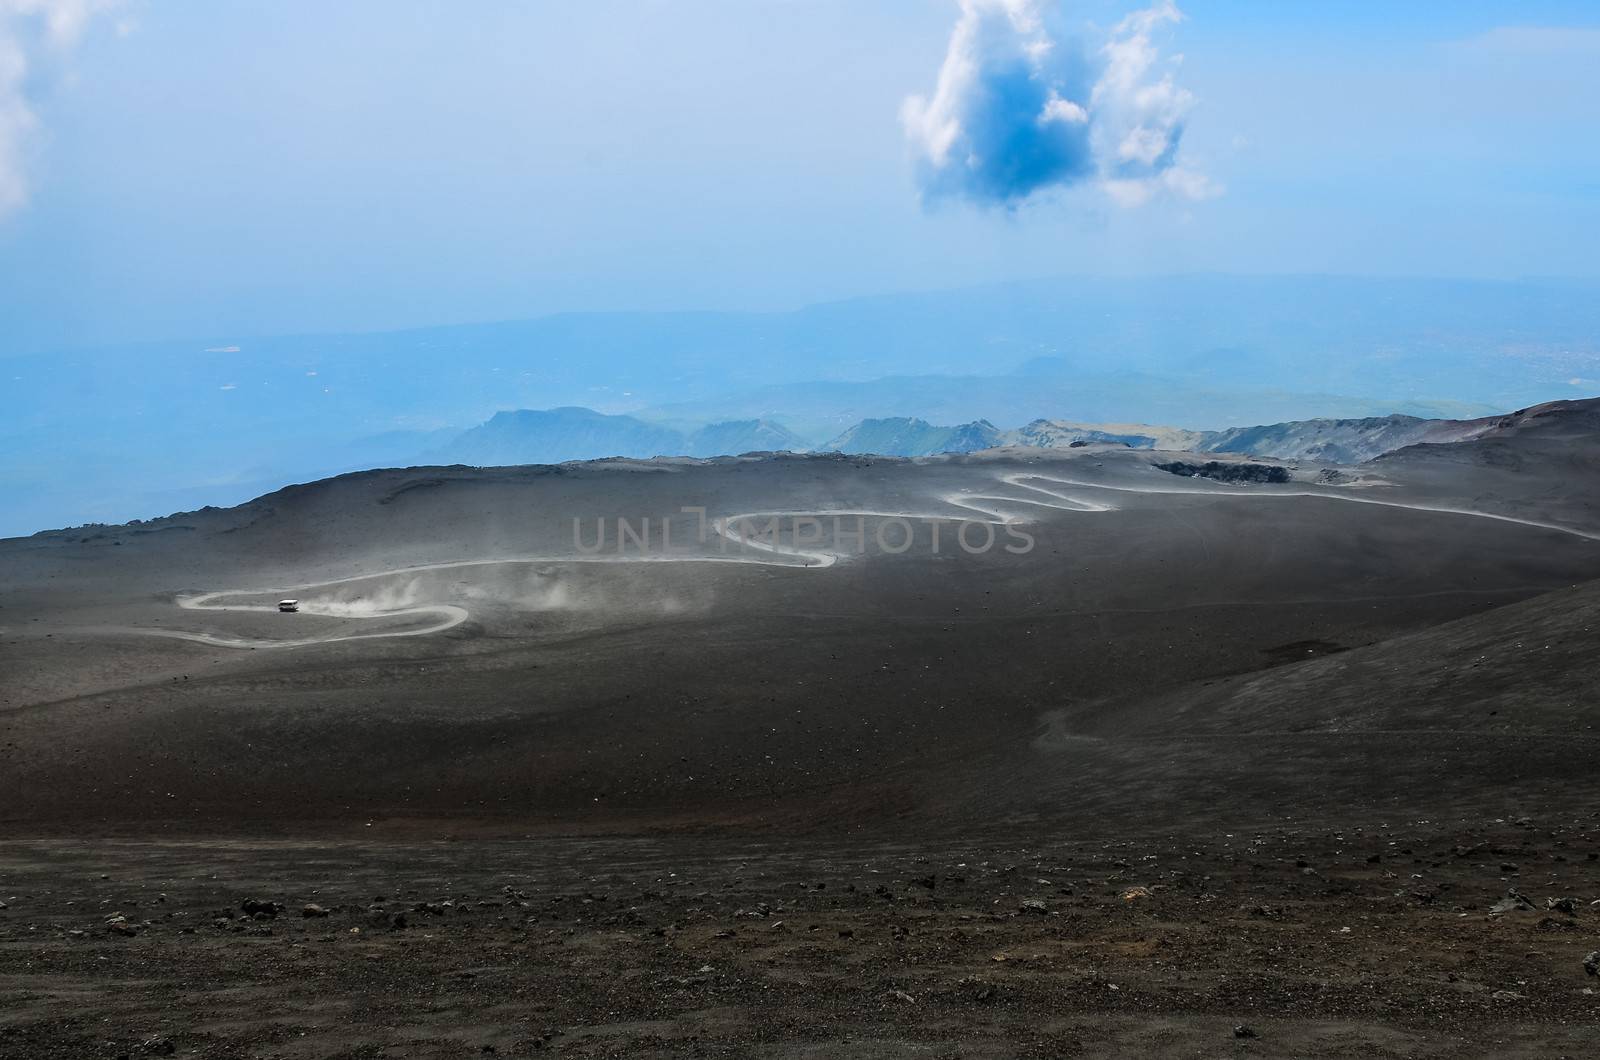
x: 1513, y: 902
x: 260, y: 910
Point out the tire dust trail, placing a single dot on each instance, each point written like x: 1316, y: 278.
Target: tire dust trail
x: 776, y: 553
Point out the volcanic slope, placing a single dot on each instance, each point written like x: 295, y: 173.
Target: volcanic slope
x: 1169, y: 648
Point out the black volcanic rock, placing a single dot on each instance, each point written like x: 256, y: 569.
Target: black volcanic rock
x: 1227, y: 472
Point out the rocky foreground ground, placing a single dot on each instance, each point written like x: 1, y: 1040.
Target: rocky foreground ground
x: 1405, y: 938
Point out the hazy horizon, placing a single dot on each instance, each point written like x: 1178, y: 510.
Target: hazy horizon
x: 169, y: 172
x: 801, y: 307
x: 252, y: 244
x: 136, y: 431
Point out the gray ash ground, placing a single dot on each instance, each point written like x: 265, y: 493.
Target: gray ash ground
x: 1223, y: 772
x: 1378, y: 941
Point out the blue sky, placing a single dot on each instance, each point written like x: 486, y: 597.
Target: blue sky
x: 271, y: 167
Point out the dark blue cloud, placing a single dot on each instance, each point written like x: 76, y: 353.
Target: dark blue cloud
x: 1006, y: 151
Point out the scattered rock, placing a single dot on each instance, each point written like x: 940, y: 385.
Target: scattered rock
x: 379, y: 917
x: 1591, y: 963
x: 312, y: 909
x: 1227, y: 472
x: 261, y: 910
x: 1244, y: 1030
x: 1032, y: 905
x: 117, y: 924
x: 1513, y: 902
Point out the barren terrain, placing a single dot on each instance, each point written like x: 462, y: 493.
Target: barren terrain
x: 1210, y: 768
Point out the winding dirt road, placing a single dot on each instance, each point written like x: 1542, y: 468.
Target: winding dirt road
x: 774, y: 551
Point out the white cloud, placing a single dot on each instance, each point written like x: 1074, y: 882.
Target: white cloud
x: 1017, y: 110
x: 1001, y: 122
x: 1140, y: 117
x: 1064, y: 110
x: 30, y: 29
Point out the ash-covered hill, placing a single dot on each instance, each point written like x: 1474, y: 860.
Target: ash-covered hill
x: 1541, y: 462
x: 1337, y: 441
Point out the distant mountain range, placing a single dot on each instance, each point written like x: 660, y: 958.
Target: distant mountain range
x: 1330, y: 441
x: 553, y: 436
x: 139, y: 430
x: 575, y: 433
x: 557, y: 435
x: 903, y: 436
x: 1041, y: 389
